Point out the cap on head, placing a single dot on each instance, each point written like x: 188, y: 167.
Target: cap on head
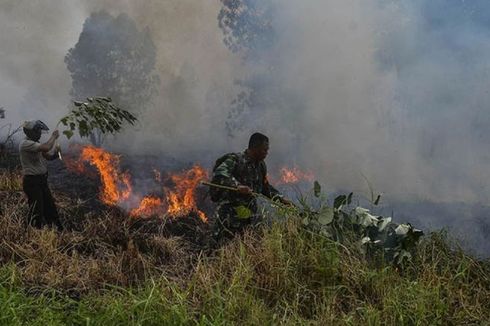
x: 34, y: 128
x: 35, y: 125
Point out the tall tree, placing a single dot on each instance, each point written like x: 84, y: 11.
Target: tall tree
x: 113, y: 58
x: 248, y: 30
x: 247, y: 26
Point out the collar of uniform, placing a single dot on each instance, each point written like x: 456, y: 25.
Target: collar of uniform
x: 248, y: 159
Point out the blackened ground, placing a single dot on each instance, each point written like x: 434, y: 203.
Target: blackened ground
x: 84, y: 188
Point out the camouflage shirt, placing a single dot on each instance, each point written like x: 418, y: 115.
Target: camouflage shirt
x: 239, y: 169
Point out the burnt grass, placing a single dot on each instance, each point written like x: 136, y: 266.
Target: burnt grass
x: 100, y: 244
x: 85, y: 188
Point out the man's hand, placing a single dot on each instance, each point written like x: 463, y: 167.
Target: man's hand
x: 46, y: 147
x: 244, y: 190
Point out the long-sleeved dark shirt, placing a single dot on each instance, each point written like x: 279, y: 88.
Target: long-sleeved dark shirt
x: 239, y: 169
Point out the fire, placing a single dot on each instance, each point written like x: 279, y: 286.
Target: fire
x: 116, y: 186
x: 294, y: 175
x: 149, y: 205
x: 179, y: 201
x: 182, y: 201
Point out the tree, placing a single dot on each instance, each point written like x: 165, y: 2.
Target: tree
x: 247, y: 26
x: 248, y: 30
x: 113, y: 58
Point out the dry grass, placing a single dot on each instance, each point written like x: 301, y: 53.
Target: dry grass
x: 104, y: 271
x: 104, y: 251
x: 10, y: 180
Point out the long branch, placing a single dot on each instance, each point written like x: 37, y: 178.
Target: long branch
x: 256, y: 194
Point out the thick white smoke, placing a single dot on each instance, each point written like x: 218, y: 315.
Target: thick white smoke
x: 196, y: 69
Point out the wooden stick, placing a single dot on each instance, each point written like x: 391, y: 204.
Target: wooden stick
x: 215, y: 185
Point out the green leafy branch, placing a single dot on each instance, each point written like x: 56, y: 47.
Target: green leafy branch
x: 379, y: 235
x: 99, y: 113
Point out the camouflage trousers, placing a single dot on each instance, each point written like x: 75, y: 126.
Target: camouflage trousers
x: 227, y: 223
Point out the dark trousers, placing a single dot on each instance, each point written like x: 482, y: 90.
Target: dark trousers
x: 42, y: 209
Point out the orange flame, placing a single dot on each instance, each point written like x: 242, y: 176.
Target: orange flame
x: 182, y: 200
x: 295, y: 175
x: 116, y: 186
x: 149, y: 205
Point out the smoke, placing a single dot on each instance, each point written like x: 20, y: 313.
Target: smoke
x: 34, y: 39
x: 389, y: 91
x: 197, y: 71
x: 440, y: 57
x: 383, y: 90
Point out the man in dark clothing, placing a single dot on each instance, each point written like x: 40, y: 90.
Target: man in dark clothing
x: 33, y: 156
x: 247, y: 172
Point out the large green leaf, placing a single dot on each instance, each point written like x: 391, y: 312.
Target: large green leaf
x: 402, y: 229
x: 364, y: 218
x: 317, y: 189
x: 383, y: 223
x: 339, y: 201
x: 325, y: 216
x: 68, y: 133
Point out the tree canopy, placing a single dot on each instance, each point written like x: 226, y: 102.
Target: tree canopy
x: 113, y: 58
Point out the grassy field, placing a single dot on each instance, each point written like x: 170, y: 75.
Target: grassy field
x: 102, y: 272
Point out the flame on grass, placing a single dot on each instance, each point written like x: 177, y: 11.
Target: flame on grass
x: 178, y: 200
x: 116, y: 185
x: 294, y: 175
x: 182, y: 199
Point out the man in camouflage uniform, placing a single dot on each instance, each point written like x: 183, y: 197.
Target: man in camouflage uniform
x: 247, y: 172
